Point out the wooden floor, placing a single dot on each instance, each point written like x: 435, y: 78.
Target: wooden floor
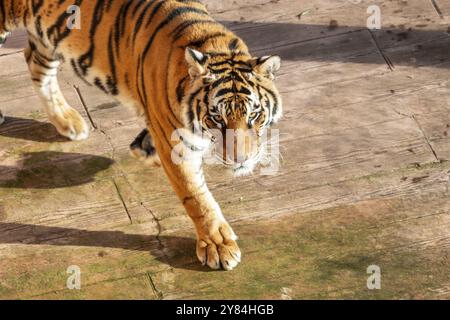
x: 364, y: 181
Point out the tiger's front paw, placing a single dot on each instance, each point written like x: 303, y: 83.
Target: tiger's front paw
x: 217, y: 248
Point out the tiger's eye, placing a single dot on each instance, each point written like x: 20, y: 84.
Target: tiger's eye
x: 253, y: 115
x: 218, y: 118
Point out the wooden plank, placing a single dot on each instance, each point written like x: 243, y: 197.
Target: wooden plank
x: 54, y: 198
x: 437, y: 128
x: 128, y: 288
x: 325, y: 254
x: 35, y: 257
x: 175, y: 248
x: 89, y: 231
x: 258, y: 196
x: 386, y: 86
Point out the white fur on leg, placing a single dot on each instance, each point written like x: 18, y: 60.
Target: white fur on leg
x: 67, y: 121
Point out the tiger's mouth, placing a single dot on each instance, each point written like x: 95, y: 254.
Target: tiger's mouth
x: 243, y: 169
x: 239, y: 169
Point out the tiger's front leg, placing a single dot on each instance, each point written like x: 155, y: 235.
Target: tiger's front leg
x: 216, y: 240
x: 43, y: 69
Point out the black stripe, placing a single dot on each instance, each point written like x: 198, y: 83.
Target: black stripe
x: 139, y: 82
x: 169, y: 58
x: 124, y: 16
x: 237, y: 77
x: 218, y: 71
x: 244, y: 90
x: 274, y: 97
x: 137, y: 7
x: 154, y: 12
x: 38, y: 25
x: 36, y: 6
x: 200, y: 42
x: 190, y: 112
x: 38, y: 59
x: 140, y: 20
x: 111, y: 81
x: 172, y: 15
x: 198, y: 109
x: 3, y: 13
x: 206, y: 98
x: 119, y: 23
x: 225, y: 91
x: 180, y: 89
x: 179, y: 31
x: 86, y: 60
x: 100, y: 85
x: 221, y: 81
x: 24, y: 16
x: 226, y: 54
x: 59, y: 30
x: 73, y: 63
x: 12, y: 15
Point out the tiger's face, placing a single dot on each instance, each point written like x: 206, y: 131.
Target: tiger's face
x: 234, y: 101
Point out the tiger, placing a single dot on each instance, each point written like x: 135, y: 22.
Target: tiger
x: 179, y: 69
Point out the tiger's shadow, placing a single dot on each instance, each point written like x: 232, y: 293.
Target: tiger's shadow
x: 52, y: 170
x: 175, y: 251
x: 31, y: 130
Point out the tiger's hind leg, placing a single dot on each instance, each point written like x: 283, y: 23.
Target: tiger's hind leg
x: 43, y: 69
x: 142, y: 148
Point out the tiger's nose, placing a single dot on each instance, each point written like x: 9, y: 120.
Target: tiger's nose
x: 240, y: 145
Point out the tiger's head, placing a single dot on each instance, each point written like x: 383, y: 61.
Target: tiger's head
x: 233, y: 101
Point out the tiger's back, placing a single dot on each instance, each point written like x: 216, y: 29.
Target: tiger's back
x: 127, y: 48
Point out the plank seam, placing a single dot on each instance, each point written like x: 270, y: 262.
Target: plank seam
x: 158, y: 294
x: 283, y: 46
x: 56, y: 291
x: 10, y: 53
x: 437, y: 9
x: 425, y: 137
x: 122, y: 201
x: 85, y: 107
x: 388, y: 61
x: 155, y: 218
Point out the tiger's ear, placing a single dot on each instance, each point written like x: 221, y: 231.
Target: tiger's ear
x: 266, y: 66
x: 196, y: 62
